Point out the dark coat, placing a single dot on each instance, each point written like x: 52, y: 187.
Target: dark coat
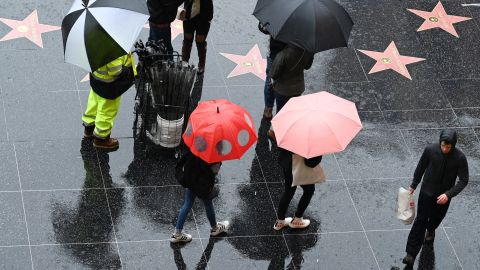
x: 440, y: 171
x: 198, y: 175
x: 287, y: 70
x: 206, y: 9
x: 163, y: 11
x: 285, y: 160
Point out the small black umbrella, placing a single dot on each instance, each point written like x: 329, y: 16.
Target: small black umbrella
x: 96, y: 32
x: 315, y: 25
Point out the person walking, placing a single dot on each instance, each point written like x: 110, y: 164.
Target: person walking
x: 198, y: 178
x: 287, y: 75
x: 298, y: 222
x: 162, y: 14
x: 197, y: 16
x: 107, y: 83
x: 275, y: 46
x: 440, y: 165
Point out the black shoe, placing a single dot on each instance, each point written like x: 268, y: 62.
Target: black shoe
x: 429, y: 237
x: 408, y: 260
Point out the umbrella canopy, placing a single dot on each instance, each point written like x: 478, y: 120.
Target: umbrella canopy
x: 314, y: 25
x: 219, y: 130
x: 95, y: 32
x: 316, y: 124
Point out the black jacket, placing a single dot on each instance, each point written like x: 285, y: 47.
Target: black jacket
x: 440, y: 170
x: 287, y: 70
x: 206, y: 9
x: 198, y: 175
x: 163, y: 11
x: 285, y: 160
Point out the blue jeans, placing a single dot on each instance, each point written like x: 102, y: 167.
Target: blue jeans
x: 268, y: 94
x: 162, y: 33
x: 282, y: 100
x: 187, y: 205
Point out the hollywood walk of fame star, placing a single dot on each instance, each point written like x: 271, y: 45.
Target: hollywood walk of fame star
x: 176, y: 28
x: 391, y: 59
x: 250, y: 63
x: 438, y: 18
x: 28, y: 28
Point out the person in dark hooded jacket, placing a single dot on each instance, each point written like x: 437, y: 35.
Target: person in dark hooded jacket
x: 440, y: 165
x: 198, y: 178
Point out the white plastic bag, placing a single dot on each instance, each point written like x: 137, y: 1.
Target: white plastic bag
x: 405, y: 206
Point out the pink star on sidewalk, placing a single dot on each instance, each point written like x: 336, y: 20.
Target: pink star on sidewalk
x: 176, y: 28
x: 28, y: 28
x: 391, y: 59
x: 438, y: 18
x: 250, y: 63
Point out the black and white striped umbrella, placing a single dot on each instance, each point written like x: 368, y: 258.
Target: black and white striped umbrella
x: 96, y: 32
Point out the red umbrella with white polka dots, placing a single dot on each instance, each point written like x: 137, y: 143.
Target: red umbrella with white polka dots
x: 219, y: 130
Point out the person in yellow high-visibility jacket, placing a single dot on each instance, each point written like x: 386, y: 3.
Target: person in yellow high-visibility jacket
x: 108, y: 84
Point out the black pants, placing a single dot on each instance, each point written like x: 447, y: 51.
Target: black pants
x: 429, y: 216
x: 287, y: 196
x: 197, y: 24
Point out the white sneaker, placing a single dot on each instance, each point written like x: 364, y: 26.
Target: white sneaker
x: 299, y: 223
x: 280, y: 224
x: 220, y: 228
x: 181, y: 237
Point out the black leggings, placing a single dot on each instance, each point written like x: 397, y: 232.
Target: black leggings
x: 288, y: 193
x: 429, y: 216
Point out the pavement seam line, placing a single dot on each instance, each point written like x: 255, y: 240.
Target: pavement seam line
x: 109, y: 210
x: 453, y: 248
x: 356, y: 211
x: 23, y: 206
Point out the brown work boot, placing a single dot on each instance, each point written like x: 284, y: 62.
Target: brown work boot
x: 88, y: 132
x: 267, y: 113
x: 107, y: 143
x: 408, y: 261
x: 429, y: 237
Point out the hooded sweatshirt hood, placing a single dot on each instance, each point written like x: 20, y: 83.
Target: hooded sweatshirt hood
x: 449, y: 136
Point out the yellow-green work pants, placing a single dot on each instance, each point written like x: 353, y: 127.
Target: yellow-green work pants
x: 101, y: 112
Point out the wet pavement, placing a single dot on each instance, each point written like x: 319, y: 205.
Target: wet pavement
x: 67, y: 206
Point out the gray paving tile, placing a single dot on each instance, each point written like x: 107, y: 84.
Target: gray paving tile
x: 43, y: 116
x: 15, y: 258
x: 8, y: 168
x: 79, y: 256
x: 466, y: 243
x: 331, y: 251
x: 68, y: 164
x: 12, y: 225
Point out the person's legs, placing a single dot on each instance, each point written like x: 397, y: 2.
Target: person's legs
x: 163, y: 33
x: 210, y: 210
x: 268, y: 95
x: 417, y: 233
x: 106, y: 114
x: 90, y: 114
x: 308, y: 191
x: 281, y: 100
x: 188, y: 31
x: 287, y: 194
x: 202, y: 30
x: 187, y: 206
x: 438, y: 214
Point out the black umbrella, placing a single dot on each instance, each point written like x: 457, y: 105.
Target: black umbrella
x: 315, y: 25
x: 96, y: 32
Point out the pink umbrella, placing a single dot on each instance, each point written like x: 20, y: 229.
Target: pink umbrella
x: 316, y: 124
